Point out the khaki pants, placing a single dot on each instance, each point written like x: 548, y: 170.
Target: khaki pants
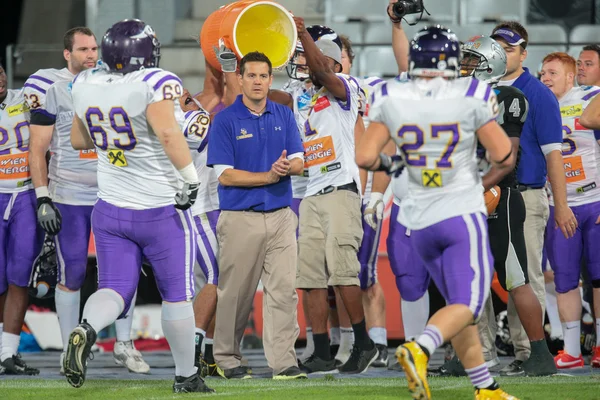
x: 538, y: 210
x: 257, y: 246
x: 487, y: 330
x: 330, y: 236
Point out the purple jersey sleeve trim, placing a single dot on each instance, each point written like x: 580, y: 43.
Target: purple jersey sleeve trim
x: 345, y: 105
x: 150, y: 75
x: 166, y: 78
x: 486, y: 97
x: 590, y: 95
x: 36, y: 87
x: 472, y: 88
x: 187, y: 114
x: 41, y: 78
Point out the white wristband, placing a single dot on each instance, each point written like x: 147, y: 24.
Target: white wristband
x: 189, y: 174
x: 42, y: 191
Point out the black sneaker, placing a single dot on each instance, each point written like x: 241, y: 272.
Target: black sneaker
x: 16, y: 366
x: 539, y: 364
x: 79, y: 350
x: 237, y: 373
x: 192, y: 384
x: 359, y: 360
x: 449, y: 368
x: 382, y: 359
x: 314, y: 364
x: 290, y: 373
x: 515, y: 368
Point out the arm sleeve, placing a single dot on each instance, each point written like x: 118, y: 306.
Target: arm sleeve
x: 377, y: 101
x: 195, y: 129
x: 41, y: 100
x: 547, y: 119
x: 293, y: 140
x: 487, y: 110
x: 220, y: 149
x: 516, y: 109
x: 162, y: 85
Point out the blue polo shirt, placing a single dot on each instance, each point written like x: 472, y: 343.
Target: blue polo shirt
x: 543, y: 126
x: 252, y: 143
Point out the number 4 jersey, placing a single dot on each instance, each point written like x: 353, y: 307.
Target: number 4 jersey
x: 14, y: 143
x: 133, y: 168
x: 581, y: 152
x: 434, y: 123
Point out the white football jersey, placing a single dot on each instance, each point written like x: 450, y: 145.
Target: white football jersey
x: 71, y: 173
x: 195, y: 128
x: 434, y: 124
x: 580, y: 149
x: 133, y: 169
x: 302, y: 96
x: 329, y: 138
x: 14, y: 143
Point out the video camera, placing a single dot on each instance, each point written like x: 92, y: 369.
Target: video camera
x: 405, y: 7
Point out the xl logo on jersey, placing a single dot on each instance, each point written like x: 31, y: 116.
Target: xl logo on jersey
x: 571, y: 111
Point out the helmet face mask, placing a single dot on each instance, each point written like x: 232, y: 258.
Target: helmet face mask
x: 484, y: 59
x: 297, y: 68
x: 45, y: 269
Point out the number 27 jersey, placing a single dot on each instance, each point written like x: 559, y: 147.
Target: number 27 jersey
x: 434, y: 124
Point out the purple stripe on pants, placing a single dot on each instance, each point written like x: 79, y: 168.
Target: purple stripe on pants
x: 412, y: 278
x: 368, y: 254
x: 72, y: 243
x: 165, y: 236
x: 457, y: 254
x: 208, y: 247
x: 20, y: 237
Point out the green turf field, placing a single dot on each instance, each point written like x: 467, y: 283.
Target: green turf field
x: 559, y: 387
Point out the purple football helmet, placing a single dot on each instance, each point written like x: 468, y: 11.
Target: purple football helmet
x: 435, y: 51
x: 130, y: 45
x: 299, y: 71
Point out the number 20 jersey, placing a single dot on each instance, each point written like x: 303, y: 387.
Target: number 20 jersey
x: 14, y: 143
x: 434, y: 123
x: 133, y: 168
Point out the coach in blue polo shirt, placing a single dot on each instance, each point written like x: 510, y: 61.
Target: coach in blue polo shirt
x: 541, y: 145
x: 254, y: 146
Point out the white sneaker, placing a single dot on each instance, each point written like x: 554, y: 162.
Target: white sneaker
x: 127, y: 355
x: 62, y: 359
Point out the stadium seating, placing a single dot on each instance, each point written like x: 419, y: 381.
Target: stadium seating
x: 585, y: 34
x: 535, y: 55
x: 476, y: 11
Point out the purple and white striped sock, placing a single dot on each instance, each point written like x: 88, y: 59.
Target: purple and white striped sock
x: 430, y: 339
x: 480, y: 376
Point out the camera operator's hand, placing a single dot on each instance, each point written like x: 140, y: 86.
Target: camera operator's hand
x: 390, y: 12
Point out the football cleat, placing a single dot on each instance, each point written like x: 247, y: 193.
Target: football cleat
x: 497, y: 394
x: 414, y: 363
x: 567, y: 361
x: 78, y: 351
x: 595, y: 357
x: 16, y: 366
x: 127, y: 355
x: 192, y: 384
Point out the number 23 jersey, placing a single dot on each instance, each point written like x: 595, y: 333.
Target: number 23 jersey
x: 434, y: 124
x: 133, y: 168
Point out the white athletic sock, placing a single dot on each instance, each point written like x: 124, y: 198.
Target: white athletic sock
x: 178, y: 326
x: 10, y: 345
x: 209, y: 341
x: 415, y: 315
x: 310, y: 345
x: 103, y: 308
x: 346, y: 338
x: 597, y: 332
x: 378, y: 335
x: 480, y: 376
x: 334, y: 336
x: 572, y: 337
x: 67, y: 309
x: 431, y: 339
x: 200, y: 331
x: 552, y: 311
x: 123, y: 325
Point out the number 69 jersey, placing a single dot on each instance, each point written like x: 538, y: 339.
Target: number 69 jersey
x: 14, y: 143
x: 580, y: 149
x: 133, y: 168
x: 434, y: 124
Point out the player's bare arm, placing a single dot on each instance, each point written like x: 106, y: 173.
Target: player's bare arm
x: 399, y: 42
x: 281, y: 97
x: 591, y: 115
x: 80, y: 139
x: 371, y: 145
x: 40, y: 137
x: 500, y: 148
x: 563, y: 215
x: 318, y: 64
x: 495, y: 175
x: 162, y: 120
x: 213, y: 90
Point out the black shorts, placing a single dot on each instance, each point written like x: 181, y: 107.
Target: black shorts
x: 507, y: 239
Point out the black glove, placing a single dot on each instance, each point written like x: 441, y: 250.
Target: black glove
x: 48, y: 216
x: 187, y: 197
x: 392, y: 165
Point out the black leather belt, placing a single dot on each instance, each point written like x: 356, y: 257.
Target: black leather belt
x: 349, y: 186
x: 264, y: 211
x: 523, y: 188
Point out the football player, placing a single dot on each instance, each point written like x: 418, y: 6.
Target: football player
x: 126, y: 108
x: 443, y: 215
x: 68, y: 188
x: 581, y: 154
x: 486, y: 60
x: 21, y: 237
